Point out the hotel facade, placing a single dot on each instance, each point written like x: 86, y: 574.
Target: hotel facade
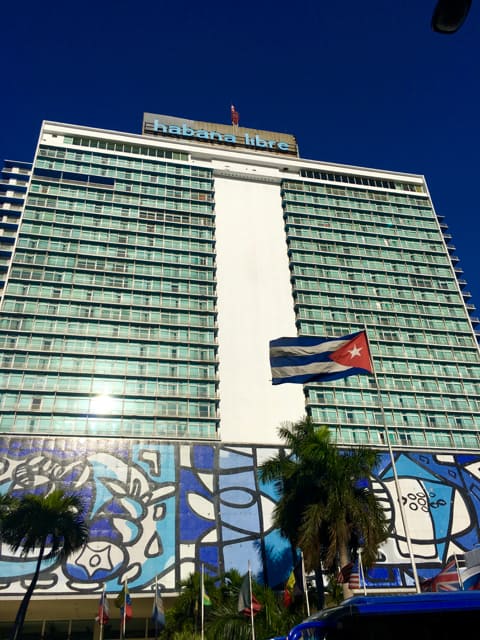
x: 142, y: 278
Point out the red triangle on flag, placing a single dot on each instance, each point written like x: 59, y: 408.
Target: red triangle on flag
x: 354, y: 354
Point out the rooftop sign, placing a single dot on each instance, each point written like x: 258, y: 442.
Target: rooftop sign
x: 219, y: 134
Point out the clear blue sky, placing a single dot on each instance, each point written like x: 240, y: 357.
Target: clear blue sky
x: 358, y: 82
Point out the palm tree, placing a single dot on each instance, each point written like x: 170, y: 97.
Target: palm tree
x: 326, y: 507
x: 51, y: 524
x: 223, y: 621
x: 7, y: 503
x: 184, y: 616
x: 226, y: 623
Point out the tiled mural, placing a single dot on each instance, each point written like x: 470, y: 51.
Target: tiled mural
x: 160, y: 508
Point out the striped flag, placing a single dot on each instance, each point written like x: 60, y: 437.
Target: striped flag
x: 447, y: 580
x: 288, y: 591
x: 471, y: 575
x: 103, y: 609
x: 294, y: 586
x: 354, y: 582
x: 124, y: 602
x: 349, y: 574
x: 158, y: 611
x: 247, y: 602
x: 309, y: 359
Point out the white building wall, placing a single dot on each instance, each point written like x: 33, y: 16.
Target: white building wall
x: 255, y: 305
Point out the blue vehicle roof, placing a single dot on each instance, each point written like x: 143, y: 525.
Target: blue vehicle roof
x: 393, y: 604
x: 414, y: 602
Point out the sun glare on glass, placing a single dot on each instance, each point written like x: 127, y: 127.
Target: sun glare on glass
x: 102, y: 404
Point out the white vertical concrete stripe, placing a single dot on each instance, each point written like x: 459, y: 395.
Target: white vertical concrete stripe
x: 254, y: 306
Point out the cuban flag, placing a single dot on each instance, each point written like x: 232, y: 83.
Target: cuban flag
x: 309, y: 359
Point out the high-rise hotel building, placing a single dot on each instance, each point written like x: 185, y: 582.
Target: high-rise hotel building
x: 143, y: 275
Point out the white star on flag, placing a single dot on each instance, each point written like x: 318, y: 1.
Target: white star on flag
x: 355, y: 352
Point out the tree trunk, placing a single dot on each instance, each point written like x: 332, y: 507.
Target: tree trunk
x: 320, y: 588
x: 344, y: 559
x: 22, y: 610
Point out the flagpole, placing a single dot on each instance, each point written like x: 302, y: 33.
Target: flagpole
x: 362, y: 575
x: 304, y: 584
x: 251, y: 601
x: 395, y: 475
x: 102, y: 615
x: 155, y: 600
x: 124, y: 614
x: 460, y: 581
x: 121, y: 618
x: 202, y: 596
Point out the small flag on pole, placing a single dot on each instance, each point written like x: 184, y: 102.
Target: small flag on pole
x: 247, y: 603
x: 235, y: 116
x: 288, y: 591
x: 158, y: 611
x: 309, y: 359
x: 103, y: 609
x: 207, y: 602
x: 124, y: 602
x: 350, y: 574
x: 470, y: 576
x: 448, y: 579
x: 354, y: 582
x: 294, y: 587
x: 345, y: 573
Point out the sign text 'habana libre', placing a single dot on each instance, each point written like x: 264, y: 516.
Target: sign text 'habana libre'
x: 247, y: 139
